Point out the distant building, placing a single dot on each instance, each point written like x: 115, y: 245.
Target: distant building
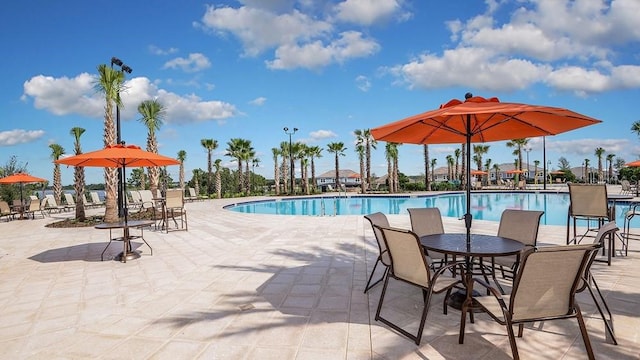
x: 347, y: 178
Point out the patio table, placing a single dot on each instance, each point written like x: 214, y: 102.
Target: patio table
x: 127, y: 252
x: 479, y: 246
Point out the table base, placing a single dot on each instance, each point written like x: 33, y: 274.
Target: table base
x: 132, y: 255
x: 457, y: 298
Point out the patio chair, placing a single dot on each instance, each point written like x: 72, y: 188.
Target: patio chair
x: 136, y: 199
x: 408, y: 264
x: 70, y: 201
x: 519, y: 225
x: 589, y: 282
x: 35, y: 206
x: 192, y: 195
x: 588, y: 203
x: 174, y: 208
x: 378, y: 219
x: 5, y: 211
x: 428, y: 221
x: 544, y: 289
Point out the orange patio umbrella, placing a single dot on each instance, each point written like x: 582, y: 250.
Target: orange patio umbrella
x: 119, y: 156
x: 478, y: 172
x: 633, y: 164
x: 514, y: 171
x: 21, y: 178
x: 480, y: 120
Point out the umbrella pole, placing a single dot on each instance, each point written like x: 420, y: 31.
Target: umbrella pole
x: 467, y: 215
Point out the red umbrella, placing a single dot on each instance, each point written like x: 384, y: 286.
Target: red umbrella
x: 480, y: 120
x: 21, y: 178
x: 119, y: 156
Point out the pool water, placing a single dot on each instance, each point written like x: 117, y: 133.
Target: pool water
x: 484, y: 206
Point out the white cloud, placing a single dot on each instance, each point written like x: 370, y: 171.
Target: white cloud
x: 350, y: 45
x: 363, y: 83
x: 158, y: 51
x: 366, y: 12
x: 195, y: 62
x: 62, y: 96
x: 19, y: 136
x: 260, y: 29
x: 259, y: 101
x: 322, y: 134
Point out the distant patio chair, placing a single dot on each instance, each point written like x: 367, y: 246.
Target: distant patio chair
x: 174, y: 208
x: 428, y: 221
x: 35, y: 207
x: 5, y: 211
x: 95, y: 199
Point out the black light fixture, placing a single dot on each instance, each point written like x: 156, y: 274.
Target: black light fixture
x: 123, y: 68
x: 290, y: 133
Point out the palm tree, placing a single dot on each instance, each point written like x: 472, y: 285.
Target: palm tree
x: 284, y: 151
x: 536, y: 163
x: 153, y: 113
x: 236, y: 149
x: 427, y: 183
x: 276, y: 173
x: 599, y: 152
x: 396, y: 169
x: 635, y: 127
x: 610, y: 158
x: 298, y: 153
x: 218, y: 166
x: 314, y: 152
x: 78, y: 175
x: 209, y: 145
x: 450, y: 162
x: 518, y: 144
x: 338, y: 149
x: 365, y: 137
x: 182, y: 156
x: 110, y: 83
x: 391, y: 153
x: 247, y: 153
x: 434, y: 161
x: 457, y: 153
x: 56, y: 152
x: 360, y: 149
x: 487, y: 166
x: 496, y: 171
x: 255, y: 162
x: 196, y: 182
x: 586, y: 169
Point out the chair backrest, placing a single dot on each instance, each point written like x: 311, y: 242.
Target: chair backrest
x: 408, y: 261
x: 147, y: 198
x: 192, y: 192
x: 17, y: 202
x: 34, y: 205
x: 380, y: 219
x: 626, y: 186
x: 69, y: 199
x: 135, y: 196
x: 588, y: 200
x: 174, y: 199
x: 426, y: 221
x: 547, y: 281
x: 4, y: 207
x: 95, y: 198
x: 520, y: 225
x: 51, y: 201
x: 32, y: 197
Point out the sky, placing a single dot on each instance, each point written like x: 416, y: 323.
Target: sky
x: 247, y: 69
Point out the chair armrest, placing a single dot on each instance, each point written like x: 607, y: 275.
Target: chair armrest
x: 493, y: 292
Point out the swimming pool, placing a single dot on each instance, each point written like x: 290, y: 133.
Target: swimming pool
x: 484, y: 206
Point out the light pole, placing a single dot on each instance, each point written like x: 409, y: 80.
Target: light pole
x: 123, y: 68
x: 583, y: 179
x: 290, y: 133
x: 544, y: 163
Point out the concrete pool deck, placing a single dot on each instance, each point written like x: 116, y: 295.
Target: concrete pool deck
x: 242, y: 286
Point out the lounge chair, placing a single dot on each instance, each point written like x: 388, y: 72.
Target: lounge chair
x: 71, y: 202
x: 136, y: 199
x: 378, y: 219
x: 192, y: 196
x: 52, y: 204
x: 95, y: 199
x: 428, y: 221
x: 409, y: 264
x: 544, y: 289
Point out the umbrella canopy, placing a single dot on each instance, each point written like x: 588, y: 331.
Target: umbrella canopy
x: 119, y: 156
x: 514, y: 171
x: 633, y: 164
x: 21, y: 178
x: 480, y: 120
x: 478, y: 172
